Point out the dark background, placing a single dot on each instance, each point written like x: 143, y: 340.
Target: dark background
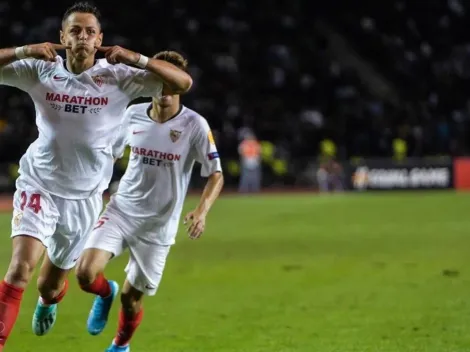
x: 360, y: 74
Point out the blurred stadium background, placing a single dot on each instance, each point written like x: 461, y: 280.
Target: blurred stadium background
x: 351, y: 81
x: 344, y: 96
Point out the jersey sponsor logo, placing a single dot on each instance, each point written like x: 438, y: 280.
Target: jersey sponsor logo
x: 155, y: 157
x: 59, y: 78
x: 75, y: 99
x: 98, y: 80
x: 210, y: 137
x: 213, y: 155
x: 137, y: 132
x: 174, y: 135
x: 156, y: 154
x: 76, y: 104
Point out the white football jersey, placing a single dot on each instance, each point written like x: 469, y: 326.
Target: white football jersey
x: 160, y: 165
x: 78, y: 118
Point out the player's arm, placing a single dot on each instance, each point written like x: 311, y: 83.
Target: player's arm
x: 197, y: 217
x: 214, y: 185
x: 211, y: 167
x: 43, y: 51
x: 7, y: 56
x: 16, y: 72
x: 179, y: 81
x: 176, y: 79
x: 122, y: 136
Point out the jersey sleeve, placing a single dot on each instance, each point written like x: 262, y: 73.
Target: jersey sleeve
x: 139, y: 83
x: 21, y: 74
x: 122, y: 138
x: 206, y: 149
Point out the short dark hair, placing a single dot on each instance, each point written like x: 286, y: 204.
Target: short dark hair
x: 82, y: 7
x: 174, y: 58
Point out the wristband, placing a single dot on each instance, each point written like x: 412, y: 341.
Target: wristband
x: 20, y: 53
x: 143, y: 61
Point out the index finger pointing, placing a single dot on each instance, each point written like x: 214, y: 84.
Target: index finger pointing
x: 103, y: 49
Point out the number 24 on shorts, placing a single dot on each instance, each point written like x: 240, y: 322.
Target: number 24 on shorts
x: 34, y: 202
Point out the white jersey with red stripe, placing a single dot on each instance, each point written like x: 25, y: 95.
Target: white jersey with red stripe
x: 78, y: 118
x: 161, y: 161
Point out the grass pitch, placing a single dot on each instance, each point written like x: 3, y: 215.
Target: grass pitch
x: 295, y: 273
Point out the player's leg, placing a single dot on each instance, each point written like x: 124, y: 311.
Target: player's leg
x: 52, y: 285
x: 144, y: 273
x: 90, y: 275
x: 105, y: 242
x: 27, y: 252
x: 76, y: 220
x: 89, y: 271
x: 34, y: 219
x: 130, y: 317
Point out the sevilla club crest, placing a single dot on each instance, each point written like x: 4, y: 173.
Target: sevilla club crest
x: 99, y: 80
x: 175, y: 135
x: 17, y: 220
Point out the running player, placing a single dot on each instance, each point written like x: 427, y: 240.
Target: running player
x: 79, y: 105
x: 166, y: 138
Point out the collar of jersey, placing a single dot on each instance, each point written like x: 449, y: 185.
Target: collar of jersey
x: 64, y: 65
x: 178, y: 113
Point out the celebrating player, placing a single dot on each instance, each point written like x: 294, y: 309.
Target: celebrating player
x: 79, y: 105
x: 166, y: 139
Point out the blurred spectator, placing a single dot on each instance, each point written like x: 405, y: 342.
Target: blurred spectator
x: 330, y: 176
x: 250, y: 160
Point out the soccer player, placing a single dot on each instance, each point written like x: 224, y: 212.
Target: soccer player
x: 79, y: 106
x: 166, y: 138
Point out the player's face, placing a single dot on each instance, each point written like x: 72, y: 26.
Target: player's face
x: 167, y: 98
x: 82, y: 32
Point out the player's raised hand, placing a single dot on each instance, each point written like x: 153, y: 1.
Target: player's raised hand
x: 196, y: 222
x: 44, y: 51
x: 116, y: 54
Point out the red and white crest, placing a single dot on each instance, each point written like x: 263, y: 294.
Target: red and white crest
x: 175, y: 135
x: 99, y: 80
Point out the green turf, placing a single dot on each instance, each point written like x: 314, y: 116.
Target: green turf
x: 376, y: 272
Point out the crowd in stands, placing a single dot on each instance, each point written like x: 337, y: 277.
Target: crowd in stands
x: 423, y: 47
x: 261, y: 66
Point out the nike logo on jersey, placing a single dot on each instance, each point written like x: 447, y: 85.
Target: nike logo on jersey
x: 137, y: 132
x: 59, y: 78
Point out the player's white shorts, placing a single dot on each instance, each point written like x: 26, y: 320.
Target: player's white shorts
x: 62, y: 225
x: 115, y: 232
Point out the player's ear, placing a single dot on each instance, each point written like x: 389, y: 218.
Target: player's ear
x: 99, y: 40
x: 62, y: 38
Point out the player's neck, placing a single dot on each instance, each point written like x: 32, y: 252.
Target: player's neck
x: 78, y: 66
x: 163, y: 114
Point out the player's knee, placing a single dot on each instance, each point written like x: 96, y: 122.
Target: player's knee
x: 20, y: 272
x: 85, y: 271
x: 85, y: 274
x: 91, y: 263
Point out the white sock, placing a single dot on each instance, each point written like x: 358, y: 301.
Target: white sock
x: 41, y: 301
